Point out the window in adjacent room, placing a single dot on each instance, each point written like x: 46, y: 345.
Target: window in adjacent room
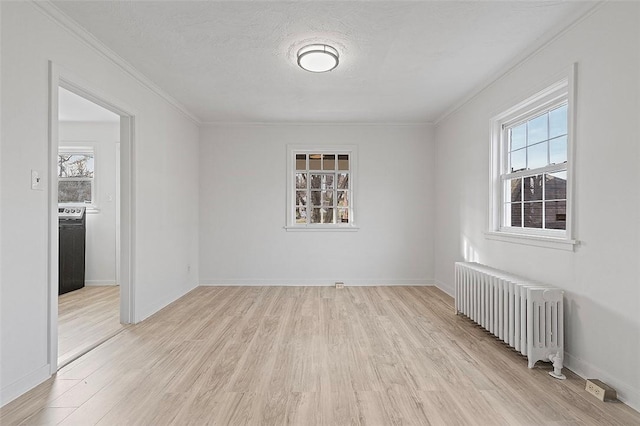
x: 76, y: 176
x: 321, y: 188
x: 532, y: 170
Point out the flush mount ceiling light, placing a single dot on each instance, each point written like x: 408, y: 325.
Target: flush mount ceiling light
x: 318, y: 58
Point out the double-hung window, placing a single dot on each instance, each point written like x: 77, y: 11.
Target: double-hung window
x: 531, y: 167
x: 320, y: 188
x: 76, y: 176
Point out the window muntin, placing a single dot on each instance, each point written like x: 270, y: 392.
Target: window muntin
x: 322, y: 193
x: 535, y: 180
x: 76, y: 173
x: 321, y: 187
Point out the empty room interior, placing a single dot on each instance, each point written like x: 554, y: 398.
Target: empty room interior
x: 320, y: 212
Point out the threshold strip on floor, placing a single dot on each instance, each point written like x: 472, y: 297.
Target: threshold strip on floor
x: 69, y: 359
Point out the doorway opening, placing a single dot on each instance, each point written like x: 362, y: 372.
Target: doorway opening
x: 88, y: 205
x: 91, y: 221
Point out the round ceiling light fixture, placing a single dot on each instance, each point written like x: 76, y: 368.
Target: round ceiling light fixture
x: 318, y: 58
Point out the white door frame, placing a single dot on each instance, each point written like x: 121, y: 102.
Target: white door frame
x: 59, y: 77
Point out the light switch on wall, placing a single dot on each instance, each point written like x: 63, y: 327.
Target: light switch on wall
x: 36, y: 180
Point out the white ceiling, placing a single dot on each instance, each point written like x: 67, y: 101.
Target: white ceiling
x: 400, y: 61
x: 72, y: 107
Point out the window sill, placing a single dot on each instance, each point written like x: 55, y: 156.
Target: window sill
x: 320, y: 228
x: 533, y: 240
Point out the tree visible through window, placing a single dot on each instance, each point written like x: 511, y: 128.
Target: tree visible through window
x: 75, y: 177
x: 320, y: 187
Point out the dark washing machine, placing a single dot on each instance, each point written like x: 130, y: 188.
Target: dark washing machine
x: 72, y: 231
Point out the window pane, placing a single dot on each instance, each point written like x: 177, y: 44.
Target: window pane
x: 537, y: 130
x: 514, y: 214
x: 318, y: 176
x: 515, y: 187
x: 537, y: 156
x: 315, y: 198
x: 518, y: 137
x: 533, y: 215
x: 316, y: 181
x: 301, y: 180
x: 558, y: 122
x: 328, y: 215
x: 343, y: 162
x: 532, y: 188
x: 301, y: 161
x: 555, y: 215
x: 327, y: 198
x: 316, y: 217
x: 518, y: 160
x: 343, y: 181
x: 315, y: 161
x: 328, y: 162
x: 343, y: 199
x: 327, y: 181
x: 558, y: 150
x: 301, y: 215
x: 301, y: 198
x: 556, y: 186
x: 343, y: 216
x: 75, y: 165
x: 74, y: 191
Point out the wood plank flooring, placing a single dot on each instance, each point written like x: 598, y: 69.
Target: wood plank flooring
x: 86, y: 317
x: 309, y: 356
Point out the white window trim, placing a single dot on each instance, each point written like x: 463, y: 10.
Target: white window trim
x: 559, y: 239
x: 84, y: 149
x: 292, y: 150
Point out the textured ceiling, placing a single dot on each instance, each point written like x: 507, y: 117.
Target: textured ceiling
x: 399, y: 61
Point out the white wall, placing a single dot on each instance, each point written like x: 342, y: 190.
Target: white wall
x: 602, y: 276
x: 100, y: 257
x: 242, y: 208
x: 165, y: 181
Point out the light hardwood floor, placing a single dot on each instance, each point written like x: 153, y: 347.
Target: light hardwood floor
x: 309, y: 356
x: 85, y: 318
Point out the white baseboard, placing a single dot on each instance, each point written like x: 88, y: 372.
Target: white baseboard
x: 445, y: 287
x: 25, y: 384
x: 314, y: 283
x: 99, y: 282
x: 626, y: 393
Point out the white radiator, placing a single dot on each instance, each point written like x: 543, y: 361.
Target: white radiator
x: 526, y: 315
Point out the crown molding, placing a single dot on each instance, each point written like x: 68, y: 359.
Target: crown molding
x: 59, y: 17
x: 517, y: 62
x: 312, y: 123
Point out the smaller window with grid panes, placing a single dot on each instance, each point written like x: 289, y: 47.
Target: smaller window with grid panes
x: 321, y: 188
x: 532, y: 168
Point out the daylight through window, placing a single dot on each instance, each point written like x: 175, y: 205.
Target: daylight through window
x: 321, y: 188
x: 535, y: 183
x: 531, y: 169
x: 75, y: 177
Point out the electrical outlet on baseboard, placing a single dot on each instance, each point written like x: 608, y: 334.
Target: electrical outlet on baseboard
x: 339, y: 284
x: 601, y: 390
